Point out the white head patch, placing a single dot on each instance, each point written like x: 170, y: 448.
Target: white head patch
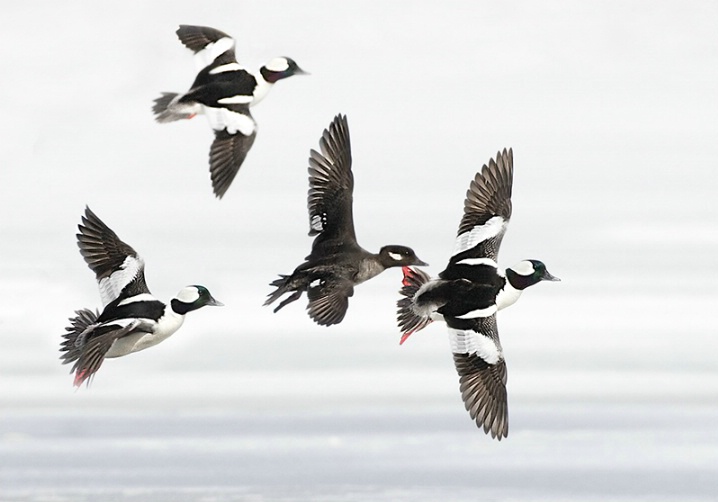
x: 395, y: 256
x: 190, y: 294
x: 277, y: 64
x: 524, y: 267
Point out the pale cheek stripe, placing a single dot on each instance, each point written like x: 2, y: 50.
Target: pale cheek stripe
x: 395, y: 256
x: 478, y: 234
x: 470, y: 342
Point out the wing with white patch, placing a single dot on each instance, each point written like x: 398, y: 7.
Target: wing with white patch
x: 331, y: 185
x: 329, y: 301
x: 481, y: 367
x: 209, y: 45
x: 234, y: 133
x: 120, y: 272
x: 487, y: 210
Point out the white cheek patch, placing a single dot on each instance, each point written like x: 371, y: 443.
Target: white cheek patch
x: 477, y: 261
x: 396, y: 256
x: 277, y: 64
x: 212, y: 51
x: 112, y: 286
x: 232, y: 122
x: 144, y: 297
x: 239, y: 99
x: 225, y: 68
x: 470, y: 342
x: 315, y: 283
x: 495, y: 226
x: 474, y: 314
x: 188, y: 295
x: 524, y: 267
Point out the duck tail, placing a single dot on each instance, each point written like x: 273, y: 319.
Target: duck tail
x: 167, y: 108
x: 283, y: 286
x: 76, y: 335
x: 408, y: 320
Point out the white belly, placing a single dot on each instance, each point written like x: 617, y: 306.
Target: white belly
x: 134, y: 342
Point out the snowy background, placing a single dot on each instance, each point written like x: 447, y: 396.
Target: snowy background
x: 611, y: 109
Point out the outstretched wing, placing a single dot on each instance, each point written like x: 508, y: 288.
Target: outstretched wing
x: 211, y: 46
x: 487, y: 210
x: 331, y: 185
x: 234, y: 133
x: 480, y: 363
x: 329, y: 301
x: 119, y: 271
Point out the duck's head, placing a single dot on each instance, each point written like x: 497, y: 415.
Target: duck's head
x: 192, y: 298
x: 279, y: 68
x: 527, y: 273
x: 399, y: 256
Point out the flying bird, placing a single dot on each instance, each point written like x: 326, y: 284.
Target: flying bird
x: 469, y: 292
x: 132, y: 319
x: 337, y: 262
x: 224, y: 91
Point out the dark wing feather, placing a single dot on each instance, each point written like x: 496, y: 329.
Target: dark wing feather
x: 489, y: 196
x: 117, y: 267
x: 329, y: 301
x: 197, y: 38
x: 227, y: 154
x: 483, y: 384
x: 331, y: 184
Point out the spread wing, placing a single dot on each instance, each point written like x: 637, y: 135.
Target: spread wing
x: 487, y: 210
x: 234, y: 133
x: 481, y: 367
x: 331, y: 185
x: 119, y: 271
x: 211, y: 46
x: 329, y: 301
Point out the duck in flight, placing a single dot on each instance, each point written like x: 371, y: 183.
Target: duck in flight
x: 469, y: 292
x: 224, y: 91
x: 132, y: 319
x: 337, y: 263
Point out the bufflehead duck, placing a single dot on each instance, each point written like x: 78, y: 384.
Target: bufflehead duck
x: 469, y: 292
x: 223, y: 90
x: 132, y: 319
x: 337, y: 263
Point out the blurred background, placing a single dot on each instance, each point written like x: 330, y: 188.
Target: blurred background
x: 612, y: 113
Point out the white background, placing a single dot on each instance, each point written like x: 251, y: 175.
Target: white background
x: 613, y: 380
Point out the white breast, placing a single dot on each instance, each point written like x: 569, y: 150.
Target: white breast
x: 261, y: 89
x: 507, y: 296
